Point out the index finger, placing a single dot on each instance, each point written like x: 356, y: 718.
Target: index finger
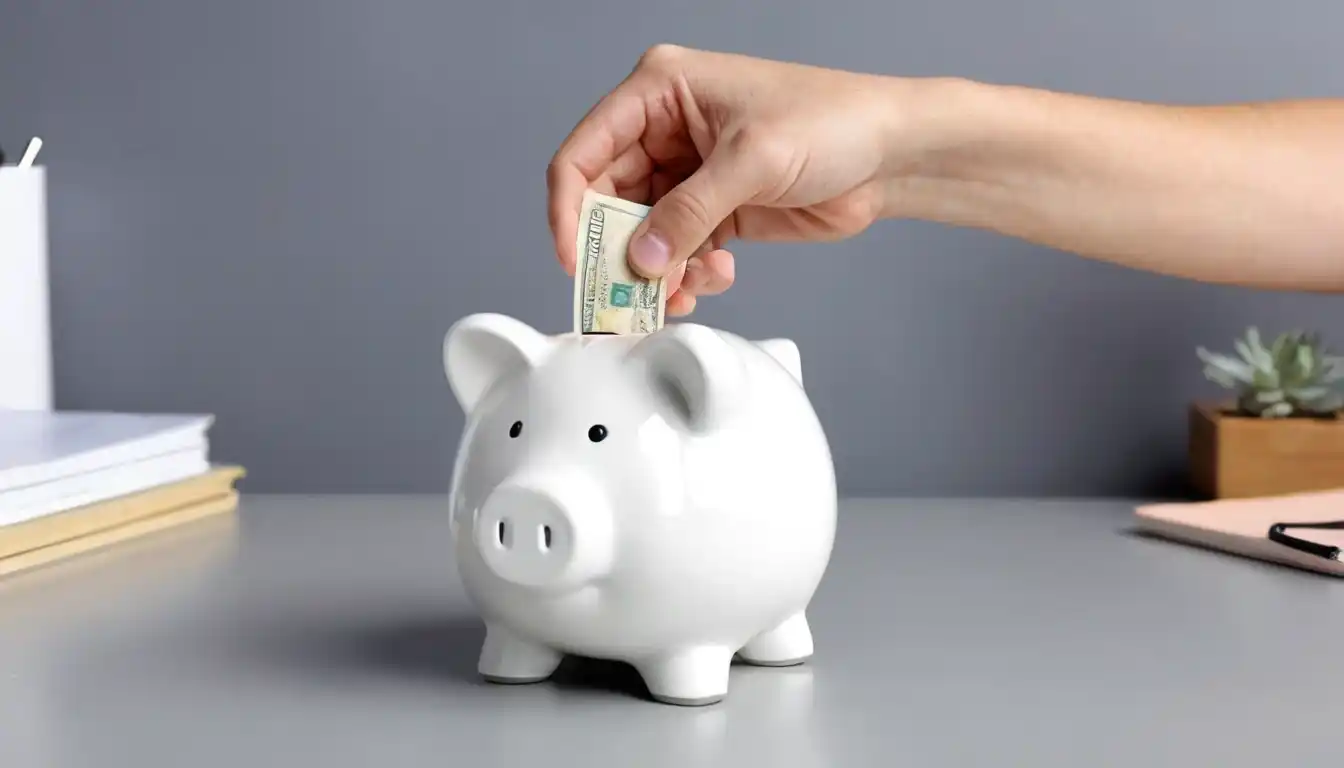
x: 611, y: 127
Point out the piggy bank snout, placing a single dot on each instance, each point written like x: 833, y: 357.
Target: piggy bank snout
x: 551, y: 536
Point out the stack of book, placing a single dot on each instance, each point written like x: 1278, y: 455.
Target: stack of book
x: 76, y: 481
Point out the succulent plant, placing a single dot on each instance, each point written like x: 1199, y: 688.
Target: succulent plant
x: 1295, y: 376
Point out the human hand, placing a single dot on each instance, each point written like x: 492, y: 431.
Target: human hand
x: 726, y: 147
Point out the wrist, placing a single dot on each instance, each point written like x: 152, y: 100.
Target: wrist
x: 952, y: 145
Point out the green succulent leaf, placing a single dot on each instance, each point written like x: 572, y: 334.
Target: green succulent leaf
x: 1244, y: 350
x: 1305, y: 359
x: 1278, y: 410
x: 1253, y: 338
x: 1279, y: 344
x: 1307, y: 394
x: 1294, y: 375
x: 1270, y: 396
x: 1265, y: 379
x: 1228, y: 365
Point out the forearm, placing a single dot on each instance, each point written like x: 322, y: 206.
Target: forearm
x: 1246, y: 194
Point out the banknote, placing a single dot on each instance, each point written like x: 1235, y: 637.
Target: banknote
x: 609, y: 297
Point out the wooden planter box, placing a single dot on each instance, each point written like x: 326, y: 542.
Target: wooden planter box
x: 1234, y: 456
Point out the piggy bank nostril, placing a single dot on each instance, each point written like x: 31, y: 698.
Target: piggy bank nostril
x: 502, y: 533
x: 545, y: 537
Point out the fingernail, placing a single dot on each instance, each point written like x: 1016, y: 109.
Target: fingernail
x: 650, y: 253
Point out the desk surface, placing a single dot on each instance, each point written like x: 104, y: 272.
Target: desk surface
x: 334, y: 632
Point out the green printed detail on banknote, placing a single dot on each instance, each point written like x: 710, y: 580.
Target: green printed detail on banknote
x: 608, y: 296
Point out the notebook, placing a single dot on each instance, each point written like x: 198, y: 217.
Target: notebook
x: 106, y: 538
x: 94, y: 518
x: 50, y: 461
x: 1277, y: 529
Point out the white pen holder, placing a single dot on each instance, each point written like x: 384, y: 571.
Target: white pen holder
x: 25, y: 318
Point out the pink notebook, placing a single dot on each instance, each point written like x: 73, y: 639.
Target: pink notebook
x: 1303, y: 530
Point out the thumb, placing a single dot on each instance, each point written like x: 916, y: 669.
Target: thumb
x: 683, y: 219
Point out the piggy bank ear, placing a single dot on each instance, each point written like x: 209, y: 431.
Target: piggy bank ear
x: 481, y: 349
x: 700, y: 374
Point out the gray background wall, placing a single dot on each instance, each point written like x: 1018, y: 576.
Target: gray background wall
x: 272, y: 210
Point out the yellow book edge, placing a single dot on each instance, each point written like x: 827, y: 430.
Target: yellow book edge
x: 89, y: 519
x: 98, y: 540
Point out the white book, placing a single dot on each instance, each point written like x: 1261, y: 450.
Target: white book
x: 32, y: 501
x: 54, y: 461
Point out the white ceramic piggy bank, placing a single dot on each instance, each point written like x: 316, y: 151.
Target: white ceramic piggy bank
x: 666, y: 500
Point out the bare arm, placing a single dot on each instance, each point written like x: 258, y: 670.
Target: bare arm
x: 728, y: 147
x: 1250, y: 194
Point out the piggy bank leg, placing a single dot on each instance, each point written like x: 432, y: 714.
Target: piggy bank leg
x: 507, y: 658
x: 692, y: 677
x: 787, y: 644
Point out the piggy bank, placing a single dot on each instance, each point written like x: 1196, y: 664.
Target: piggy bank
x: 666, y: 500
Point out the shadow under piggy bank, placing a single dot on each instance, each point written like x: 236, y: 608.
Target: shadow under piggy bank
x: 433, y: 650
x: 448, y: 648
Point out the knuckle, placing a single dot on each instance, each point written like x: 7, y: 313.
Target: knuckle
x: 767, y: 147
x: 554, y: 169
x: 660, y: 56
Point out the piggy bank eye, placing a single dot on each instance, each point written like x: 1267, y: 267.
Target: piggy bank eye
x: 516, y: 429
x: 597, y: 433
